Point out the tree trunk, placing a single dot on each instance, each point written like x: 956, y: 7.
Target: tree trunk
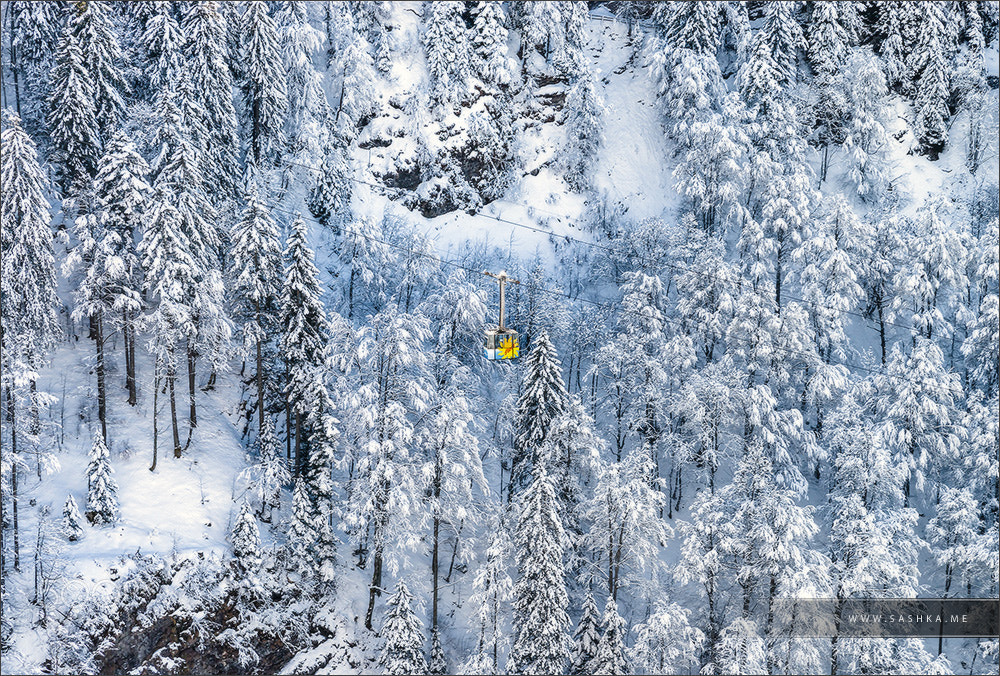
x: 192, y: 358
x: 14, y: 66
x: 436, y: 544
x: 156, y: 398
x: 881, y: 330
x: 171, y: 377
x: 777, y: 281
x: 129, y: 331
x: 102, y: 400
x: 298, y: 444
x: 260, y: 386
x: 11, y: 416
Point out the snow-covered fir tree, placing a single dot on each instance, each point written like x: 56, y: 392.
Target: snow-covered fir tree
x: 582, y: 114
x: 257, y: 276
x: 447, y: 50
x: 402, y: 631
x: 301, y: 532
x: 543, y: 398
x: 491, y: 60
x: 929, y: 70
x: 72, y: 523
x: 264, y: 87
x: 207, y: 57
x: 102, y: 489
x: 666, y: 642
x: 693, y: 26
x: 270, y: 473
x: 95, y: 31
x: 586, y: 638
x: 245, y: 538
x: 541, y: 639
x: 72, y: 117
x: 611, y: 657
x: 330, y: 194
x: 30, y: 324
x: 163, y: 44
x: 492, y: 591
x: 304, y: 330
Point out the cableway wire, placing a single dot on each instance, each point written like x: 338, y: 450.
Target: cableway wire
x: 612, y: 308
x: 608, y: 249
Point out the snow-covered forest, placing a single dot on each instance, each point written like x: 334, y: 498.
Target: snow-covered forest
x: 248, y: 425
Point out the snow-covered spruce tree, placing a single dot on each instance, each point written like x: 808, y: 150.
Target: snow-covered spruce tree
x: 586, y: 638
x: 122, y: 197
x: 330, y: 194
x: 582, y: 116
x: 828, y: 38
x: 207, y: 58
x: 866, y: 140
x: 611, y: 657
x: 492, y: 591
x: 454, y: 476
x: 543, y: 398
x: 666, y: 642
x: 323, y: 439
x: 169, y: 270
x: 305, y: 330
x: 301, y: 534
x: 35, y: 28
x: 446, y: 48
x: 245, y: 538
x: 891, y: 28
x: 307, y: 130
x: 541, y: 642
x: 162, y: 46
x: 627, y: 531
x: 71, y: 524
x: 28, y: 279
x: 741, y: 650
x: 72, y: 118
x: 180, y: 171
x: 571, y: 60
x: 915, y: 402
x: 491, y: 60
x: 438, y: 663
x: 102, y: 489
x: 355, y: 69
x: 264, y: 86
x: 930, y: 72
x: 542, y: 29
x: 929, y: 283
x: 93, y: 254
x: 372, y: 19
x: 269, y: 473
x: 94, y: 28
x: 257, y: 277
x: 385, y: 494
x: 693, y: 26
x: 828, y: 278
x: 403, y: 651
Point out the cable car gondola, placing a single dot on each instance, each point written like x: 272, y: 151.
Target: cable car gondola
x: 501, y: 343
